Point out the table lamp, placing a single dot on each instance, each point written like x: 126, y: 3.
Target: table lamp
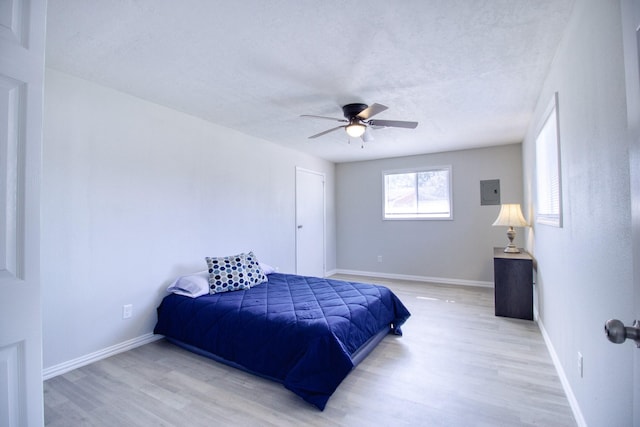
x: 511, y: 216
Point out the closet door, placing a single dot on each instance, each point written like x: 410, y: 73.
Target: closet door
x: 310, y: 223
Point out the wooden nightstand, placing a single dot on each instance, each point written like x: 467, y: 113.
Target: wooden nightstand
x: 513, y: 284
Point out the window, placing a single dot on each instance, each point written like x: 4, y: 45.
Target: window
x: 548, y: 183
x: 418, y: 194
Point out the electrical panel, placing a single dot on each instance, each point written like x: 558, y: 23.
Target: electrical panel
x: 490, y: 192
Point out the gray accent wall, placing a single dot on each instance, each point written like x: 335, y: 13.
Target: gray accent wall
x: 458, y: 250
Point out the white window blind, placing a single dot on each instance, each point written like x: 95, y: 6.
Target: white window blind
x: 548, y: 182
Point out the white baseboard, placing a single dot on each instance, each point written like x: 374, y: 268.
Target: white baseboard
x: 54, y: 371
x: 573, y: 402
x: 444, y: 280
x: 330, y: 273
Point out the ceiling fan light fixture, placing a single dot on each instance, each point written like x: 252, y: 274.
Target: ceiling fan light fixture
x: 355, y: 130
x: 358, y: 118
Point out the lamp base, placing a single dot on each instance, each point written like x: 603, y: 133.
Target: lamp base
x: 511, y: 247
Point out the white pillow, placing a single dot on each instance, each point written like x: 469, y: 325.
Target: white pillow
x: 193, y: 285
x: 266, y: 268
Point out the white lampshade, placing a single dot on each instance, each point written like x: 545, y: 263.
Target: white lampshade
x: 355, y: 130
x: 511, y: 216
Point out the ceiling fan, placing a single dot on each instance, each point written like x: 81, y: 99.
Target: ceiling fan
x: 358, y: 119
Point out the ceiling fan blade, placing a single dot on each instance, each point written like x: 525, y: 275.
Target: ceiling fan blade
x: 325, y: 132
x: 323, y: 117
x: 393, y: 124
x: 367, y: 136
x: 371, y: 111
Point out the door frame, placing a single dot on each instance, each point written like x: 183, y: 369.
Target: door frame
x: 630, y: 10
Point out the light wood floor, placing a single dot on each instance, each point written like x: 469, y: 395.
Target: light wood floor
x: 456, y: 365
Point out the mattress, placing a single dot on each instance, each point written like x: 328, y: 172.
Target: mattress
x: 307, y: 333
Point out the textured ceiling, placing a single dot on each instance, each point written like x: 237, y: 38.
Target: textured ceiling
x: 468, y: 70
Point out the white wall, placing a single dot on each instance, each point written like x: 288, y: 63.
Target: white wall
x: 584, y: 268
x: 460, y: 250
x: 135, y: 194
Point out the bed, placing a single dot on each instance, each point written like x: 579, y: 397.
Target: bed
x: 307, y: 333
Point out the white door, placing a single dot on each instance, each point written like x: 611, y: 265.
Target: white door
x: 310, y: 220
x: 22, y: 38
x: 631, y: 36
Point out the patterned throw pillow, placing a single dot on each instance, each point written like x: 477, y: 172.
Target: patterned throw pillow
x: 227, y: 274
x: 253, y: 271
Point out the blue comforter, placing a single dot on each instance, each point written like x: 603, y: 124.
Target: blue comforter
x: 301, y: 331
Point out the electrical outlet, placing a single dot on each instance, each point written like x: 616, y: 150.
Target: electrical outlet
x: 379, y: 258
x: 127, y: 311
x: 580, y: 365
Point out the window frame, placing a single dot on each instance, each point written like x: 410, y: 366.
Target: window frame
x: 549, y: 213
x: 447, y: 168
